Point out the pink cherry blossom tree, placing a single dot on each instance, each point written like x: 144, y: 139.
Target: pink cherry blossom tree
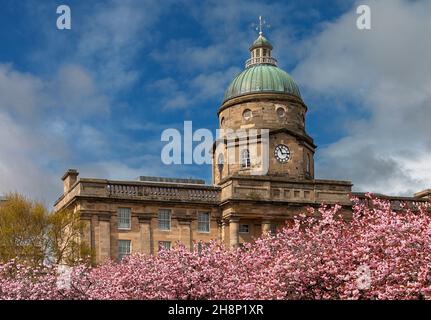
x: 376, y: 253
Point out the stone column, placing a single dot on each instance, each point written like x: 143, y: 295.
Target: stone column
x: 145, y: 238
x: 233, y: 232
x: 185, y: 232
x: 104, y: 248
x: 220, y: 230
x: 87, y: 229
x: 223, y: 232
x: 266, y: 226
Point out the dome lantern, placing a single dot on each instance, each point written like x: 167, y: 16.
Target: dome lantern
x: 261, y: 74
x: 261, y: 49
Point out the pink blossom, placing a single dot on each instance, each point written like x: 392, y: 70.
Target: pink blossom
x: 378, y: 254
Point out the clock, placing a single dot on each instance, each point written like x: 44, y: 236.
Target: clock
x: 282, y: 153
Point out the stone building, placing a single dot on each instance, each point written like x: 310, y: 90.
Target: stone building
x: 121, y: 217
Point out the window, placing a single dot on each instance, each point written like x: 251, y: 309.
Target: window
x: 247, y: 114
x: 243, y: 228
x: 124, y: 218
x: 257, y: 53
x: 165, y: 245
x: 203, y: 222
x: 281, y: 112
x: 124, y: 248
x: 164, y: 218
x: 245, y: 159
x: 264, y: 52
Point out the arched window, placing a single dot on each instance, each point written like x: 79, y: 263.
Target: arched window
x: 245, y: 159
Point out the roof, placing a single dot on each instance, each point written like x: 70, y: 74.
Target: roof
x: 262, y: 78
x: 261, y: 41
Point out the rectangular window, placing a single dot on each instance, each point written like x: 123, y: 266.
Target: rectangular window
x: 124, y: 248
x: 164, y: 218
x: 124, y: 218
x: 245, y: 159
x: 165, y: 245
x: 243, y: 228
x: 204, y: 222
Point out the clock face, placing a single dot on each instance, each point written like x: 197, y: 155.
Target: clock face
x: 282, y: 153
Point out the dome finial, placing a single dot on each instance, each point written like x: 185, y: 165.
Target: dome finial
x: 262, y: 25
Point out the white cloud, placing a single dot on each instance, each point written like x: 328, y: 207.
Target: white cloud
x: 189, y: 93
x: 23, y: 155
x: 114, y: 35
x: 74, y: 91
x: 385, y: 73
x: 45, y: 119
x: 36, y: 127
x: 19, y: 92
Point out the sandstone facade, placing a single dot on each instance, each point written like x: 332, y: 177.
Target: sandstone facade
x: 121, y: 217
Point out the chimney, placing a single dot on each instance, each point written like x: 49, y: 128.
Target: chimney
x: 69, y: 179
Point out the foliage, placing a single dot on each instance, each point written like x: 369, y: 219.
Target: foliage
x: 378, y: 254
x: 30, y: 233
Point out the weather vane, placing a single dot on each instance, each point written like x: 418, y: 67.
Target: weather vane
x: 261, y: 26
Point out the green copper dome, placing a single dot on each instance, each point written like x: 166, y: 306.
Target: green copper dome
x: 261, y: 78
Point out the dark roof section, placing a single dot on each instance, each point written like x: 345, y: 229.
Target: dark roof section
x: 171, y: 180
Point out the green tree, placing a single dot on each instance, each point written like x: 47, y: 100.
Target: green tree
x: 32, y: 234
x: 64, y: 234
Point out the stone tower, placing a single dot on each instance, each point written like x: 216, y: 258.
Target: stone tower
x: 122, y: 217
x: 264, y: 96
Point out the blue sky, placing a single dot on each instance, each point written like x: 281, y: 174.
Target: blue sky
x: 97, y: 97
